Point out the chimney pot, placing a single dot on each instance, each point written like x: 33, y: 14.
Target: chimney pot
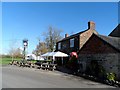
x: 66, y: 35
x: 91, y: 25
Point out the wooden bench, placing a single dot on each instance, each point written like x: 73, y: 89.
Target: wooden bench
x: 45, y: 66
x: 36, y: 66
x: 52, y: 67
x: 10, y: 63
x: 32, y: 65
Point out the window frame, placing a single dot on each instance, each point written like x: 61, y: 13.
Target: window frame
x: 59, y: 45
x: 72, y: 42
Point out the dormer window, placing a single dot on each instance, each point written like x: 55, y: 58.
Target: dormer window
x: 72, y: 42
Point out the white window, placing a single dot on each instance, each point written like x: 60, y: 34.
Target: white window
x: 59, y: 45
x: 72, y: 42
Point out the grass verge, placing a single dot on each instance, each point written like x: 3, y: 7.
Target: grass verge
x: 5, y: 61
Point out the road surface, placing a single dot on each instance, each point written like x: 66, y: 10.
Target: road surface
x: 18, y: 77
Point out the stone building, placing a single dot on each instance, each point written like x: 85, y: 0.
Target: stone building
x: 96, y: 53
x: 104, y: 52
x: 75, y: 42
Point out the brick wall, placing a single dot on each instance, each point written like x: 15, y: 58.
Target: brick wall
x: 96, y: 45
x: 85, y: 36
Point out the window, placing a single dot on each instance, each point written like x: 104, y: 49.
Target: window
x: 72, y: 42
x: 59, y: 45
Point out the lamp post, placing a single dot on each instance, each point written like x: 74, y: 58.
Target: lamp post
x: 25, y: 44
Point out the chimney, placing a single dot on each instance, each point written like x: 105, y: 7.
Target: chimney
x: 91, y: 25
x: 66, y: 35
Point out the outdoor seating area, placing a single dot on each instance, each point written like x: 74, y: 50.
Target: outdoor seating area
x: 47, y: 64
x: 42, y: 65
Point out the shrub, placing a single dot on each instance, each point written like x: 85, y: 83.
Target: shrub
x: 73, y: 64
x: 111, y: 76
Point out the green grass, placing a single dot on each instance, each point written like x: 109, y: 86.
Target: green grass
x: 33, y: 61
x: 5, y: 61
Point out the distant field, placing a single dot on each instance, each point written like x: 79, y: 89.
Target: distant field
x: 5, y: 61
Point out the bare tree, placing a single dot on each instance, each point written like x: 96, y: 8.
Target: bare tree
x: 18, y: 53
x: 41, y: 48
x: 52, y: 36
x: 14, y: 51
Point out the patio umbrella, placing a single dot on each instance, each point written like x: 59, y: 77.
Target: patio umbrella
x: 46, y: 54
x: 55, y: 54
x: 60, y: 54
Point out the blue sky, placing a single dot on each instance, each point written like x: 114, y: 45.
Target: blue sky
x: 29, y: 20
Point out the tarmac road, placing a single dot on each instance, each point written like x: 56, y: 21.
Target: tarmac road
x: 18, y: 77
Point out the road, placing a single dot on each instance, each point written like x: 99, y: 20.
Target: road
x: 18, y: 77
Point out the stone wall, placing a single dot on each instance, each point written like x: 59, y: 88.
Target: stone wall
x: 110, y: 62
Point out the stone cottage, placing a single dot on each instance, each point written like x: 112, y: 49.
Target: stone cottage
x: 74, y: 42
x: 100, y: 53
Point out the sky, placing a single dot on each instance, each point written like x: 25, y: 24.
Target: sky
x: 29, y: 20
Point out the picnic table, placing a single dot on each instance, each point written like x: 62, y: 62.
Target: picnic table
x: 47, y: 66
x: 38, y: 65
x: 14, y: 62
x: 52, y: 67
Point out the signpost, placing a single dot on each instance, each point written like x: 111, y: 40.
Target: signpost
x: 25, y: 44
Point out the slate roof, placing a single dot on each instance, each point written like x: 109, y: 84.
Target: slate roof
x: 113, y: 41
x: 71, y: 36
x: 115, y: 32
